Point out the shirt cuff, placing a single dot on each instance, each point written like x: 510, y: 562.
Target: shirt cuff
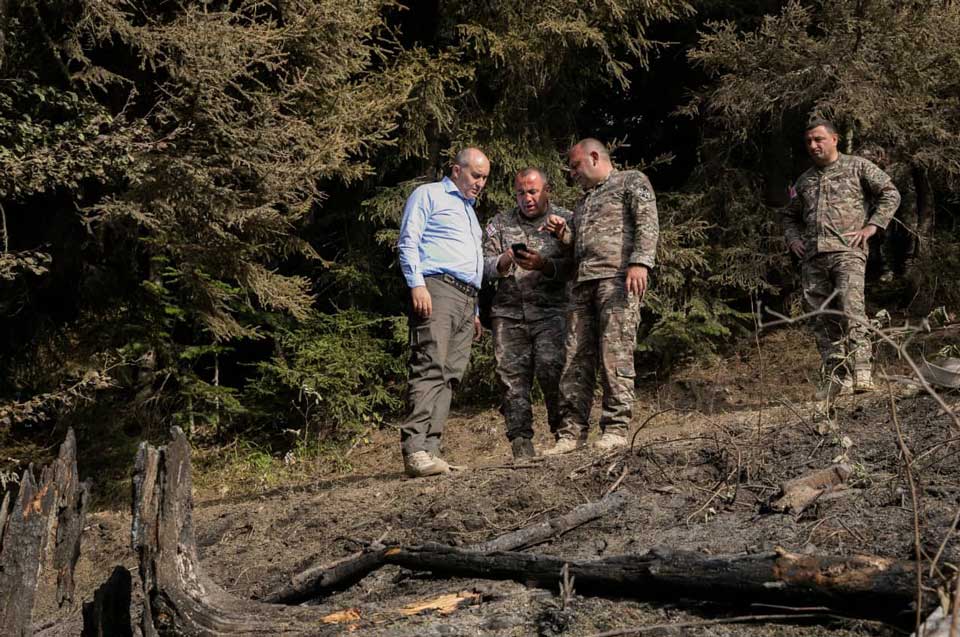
x: 415, y: 280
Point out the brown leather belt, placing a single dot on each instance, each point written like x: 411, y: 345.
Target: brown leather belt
x: 466, y: 288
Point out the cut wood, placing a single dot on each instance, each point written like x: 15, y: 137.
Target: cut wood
x: 324, y: 579
x: 41, y: 539
x: 798, y: 494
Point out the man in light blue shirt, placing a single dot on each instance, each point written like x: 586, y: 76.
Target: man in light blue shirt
x: 441, y: 257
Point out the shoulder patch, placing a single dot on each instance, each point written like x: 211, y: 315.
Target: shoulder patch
x: 490, y: 229
x: 644, y: 194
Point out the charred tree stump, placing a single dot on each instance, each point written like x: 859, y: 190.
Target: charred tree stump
x: 179, y: 599
x: 108, y: 615
x: 324, y: 579
x: 40, y: 538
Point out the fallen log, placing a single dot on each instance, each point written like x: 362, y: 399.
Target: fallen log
x: 321, y: 580
x: 799, y: 493
x: 40, y: 539
x: 861, y: 585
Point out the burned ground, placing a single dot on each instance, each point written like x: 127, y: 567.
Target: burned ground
x: 709, y: 452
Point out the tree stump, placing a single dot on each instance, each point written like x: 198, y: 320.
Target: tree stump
x: 179, y: 599
x: 108, y: 614
x: 40, y: 538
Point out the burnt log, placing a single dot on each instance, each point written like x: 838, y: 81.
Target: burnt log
x: 178, y: 597
x: 324, y: 579
x: 861, y: 585
x: 40, y: 539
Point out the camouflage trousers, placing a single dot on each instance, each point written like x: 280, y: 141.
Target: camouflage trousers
x: 439, y: 353
x: 844, y: 344
x: 601, y: 333
x: 526, y: 350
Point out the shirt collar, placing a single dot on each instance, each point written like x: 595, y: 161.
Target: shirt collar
x: 450, y: 187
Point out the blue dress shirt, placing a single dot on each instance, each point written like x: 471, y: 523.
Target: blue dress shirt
x: 440, y: 234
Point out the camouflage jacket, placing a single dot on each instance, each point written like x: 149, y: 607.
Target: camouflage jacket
x: 528, y: 295
x: 615, y: 225
x: 836, y: 199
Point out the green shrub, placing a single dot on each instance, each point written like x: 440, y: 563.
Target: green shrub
x: 332, y: 376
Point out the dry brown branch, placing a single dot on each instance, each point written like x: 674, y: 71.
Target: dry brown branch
x: 915, y: 498
x: 740, y: 619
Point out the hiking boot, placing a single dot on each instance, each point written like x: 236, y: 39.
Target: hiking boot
x: 863, y: 381
x: 610, y: 441
x: 522, y: 448
x: 421, y: 463
x: 564, y: 445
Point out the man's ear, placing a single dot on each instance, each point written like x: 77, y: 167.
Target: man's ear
x: 455, y: 171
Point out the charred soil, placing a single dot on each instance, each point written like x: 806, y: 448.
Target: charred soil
x: 709, y: 451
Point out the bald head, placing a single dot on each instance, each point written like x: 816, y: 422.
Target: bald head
x: 589, y: 162
x: 591, y: 145
x: 470, y: 171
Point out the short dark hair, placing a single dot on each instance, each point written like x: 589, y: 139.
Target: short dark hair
x: 533, y: 170
x: 819, y: 121
x: 593, y: 145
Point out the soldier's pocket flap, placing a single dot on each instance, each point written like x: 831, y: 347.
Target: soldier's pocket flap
x: 626, y: 372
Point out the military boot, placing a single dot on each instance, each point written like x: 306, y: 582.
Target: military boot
x: 564, y: 445
x: 610, y: 440
x: 522, y: 448
x: 863, y: 381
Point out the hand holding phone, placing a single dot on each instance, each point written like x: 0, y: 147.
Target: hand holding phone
x: 518, y: 248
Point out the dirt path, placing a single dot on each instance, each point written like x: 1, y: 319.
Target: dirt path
x: 699, y: 475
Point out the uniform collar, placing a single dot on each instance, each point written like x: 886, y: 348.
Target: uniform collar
x: 600, y: 184
x: 832, y: 166
x: 450, y: 187
x: 525, y: 219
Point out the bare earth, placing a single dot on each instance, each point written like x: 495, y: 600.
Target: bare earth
x: 710, y: 450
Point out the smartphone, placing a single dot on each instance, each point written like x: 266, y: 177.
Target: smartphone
x: 518, y: 248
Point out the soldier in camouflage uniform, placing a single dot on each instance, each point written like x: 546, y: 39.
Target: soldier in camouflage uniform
x: 838, y: 205
x: 614, y: 235
x: 529, y: 307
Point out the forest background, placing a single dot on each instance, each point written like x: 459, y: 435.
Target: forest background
x: 199, y: 201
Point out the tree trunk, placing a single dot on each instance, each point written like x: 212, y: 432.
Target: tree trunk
x: 108, y: 615
x: 926, y: 210
x: 40, y: 539
x: 179, y: 599
x: 863, y: 586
